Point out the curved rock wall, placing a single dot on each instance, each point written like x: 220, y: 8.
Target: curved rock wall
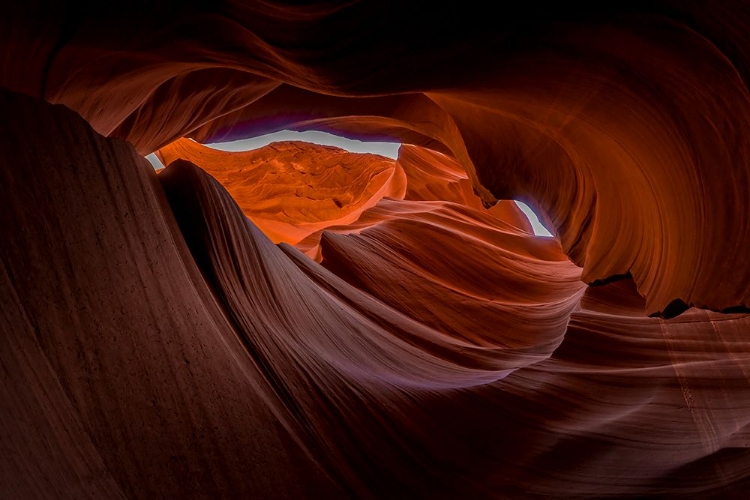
x: 303, y: 322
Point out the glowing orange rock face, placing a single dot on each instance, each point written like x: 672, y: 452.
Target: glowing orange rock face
x: 433, y: 177
x: 155, y: 343
x: 292, y: 189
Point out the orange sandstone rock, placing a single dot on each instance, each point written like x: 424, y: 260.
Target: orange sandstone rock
x: 154, y: 343
x: 292, y: 189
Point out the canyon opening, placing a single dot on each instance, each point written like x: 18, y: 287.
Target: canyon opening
x: 374, y: 249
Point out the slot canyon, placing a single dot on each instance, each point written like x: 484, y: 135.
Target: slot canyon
x: 300, y: 321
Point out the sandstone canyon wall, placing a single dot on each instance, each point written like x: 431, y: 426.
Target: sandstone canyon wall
x: 299, y: 321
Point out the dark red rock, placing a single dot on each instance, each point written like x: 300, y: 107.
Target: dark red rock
x: 156, y: 344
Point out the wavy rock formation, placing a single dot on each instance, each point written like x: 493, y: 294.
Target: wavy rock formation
x: 302, y: 322
x: 292, y: 189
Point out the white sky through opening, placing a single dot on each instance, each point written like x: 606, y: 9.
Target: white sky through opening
x: 388, y: 149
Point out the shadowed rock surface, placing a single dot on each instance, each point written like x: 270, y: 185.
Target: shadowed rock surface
x: 299, y: 321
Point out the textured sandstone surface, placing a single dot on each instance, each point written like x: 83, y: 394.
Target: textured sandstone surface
x: 292, y: 189
x: 303, y: 322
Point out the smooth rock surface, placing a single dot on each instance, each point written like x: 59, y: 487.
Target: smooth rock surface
x: 302, y: 322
